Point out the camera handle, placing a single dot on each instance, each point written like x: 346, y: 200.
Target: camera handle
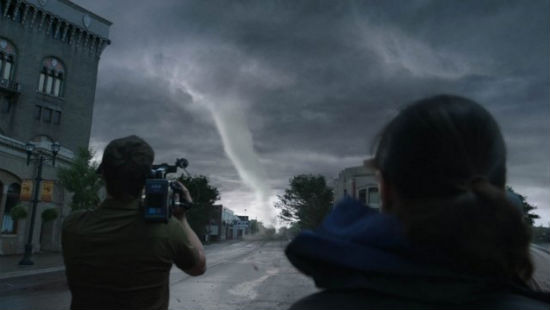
x: 165, y: 168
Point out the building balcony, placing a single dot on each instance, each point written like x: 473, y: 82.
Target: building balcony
x: 10, y: 86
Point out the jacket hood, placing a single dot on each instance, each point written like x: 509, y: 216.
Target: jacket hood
x: 358, y: 248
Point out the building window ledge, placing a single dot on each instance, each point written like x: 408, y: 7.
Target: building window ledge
x: 8, y: 235
x: 50, y: 98
x: 10, y: 85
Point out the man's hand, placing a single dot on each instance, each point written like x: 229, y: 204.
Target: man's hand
x: 179, y: 212
x: 198, y: 251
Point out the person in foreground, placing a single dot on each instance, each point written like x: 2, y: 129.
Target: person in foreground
x: 113, y: 258
x: 447, y: 236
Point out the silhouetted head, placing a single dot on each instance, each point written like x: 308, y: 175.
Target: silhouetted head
x: 442, y: 162
x: 436, y: 146
x: 125, y: 165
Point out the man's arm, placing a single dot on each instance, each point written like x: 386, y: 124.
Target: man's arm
x: 197, y: 249
x: 191, y: 239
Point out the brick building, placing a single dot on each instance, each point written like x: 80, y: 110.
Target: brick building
x: 49, y: 55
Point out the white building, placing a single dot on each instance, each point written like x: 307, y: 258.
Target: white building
x: 233, y: 226
x: 359, y: 183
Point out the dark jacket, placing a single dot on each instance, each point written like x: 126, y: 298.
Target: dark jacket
x: 361, y: 258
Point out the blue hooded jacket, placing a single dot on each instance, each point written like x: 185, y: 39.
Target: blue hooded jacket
x: 356, y: 247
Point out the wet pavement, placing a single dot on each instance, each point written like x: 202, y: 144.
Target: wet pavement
x: 261, y: 278
x: 541, y: 260
x: 43, y: 262
x: 240, y: 275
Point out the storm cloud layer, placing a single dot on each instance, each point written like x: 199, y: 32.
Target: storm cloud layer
x: 254, y: 92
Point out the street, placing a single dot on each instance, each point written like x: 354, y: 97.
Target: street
x: 240, y: 275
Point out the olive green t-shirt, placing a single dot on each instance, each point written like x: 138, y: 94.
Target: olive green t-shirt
x: 114, y: 259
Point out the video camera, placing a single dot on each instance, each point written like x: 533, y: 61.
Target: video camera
x: 161, y: 194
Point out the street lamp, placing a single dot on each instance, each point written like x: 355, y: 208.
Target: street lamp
x: 40, y: 156
x: 29, y: 147
x: 55, y: 149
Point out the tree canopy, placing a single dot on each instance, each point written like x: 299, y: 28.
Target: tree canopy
x: 204, y: 196
x: 255, y: 226
x: 81, y: 179
x: 527, y: 207
x: 306, y: 202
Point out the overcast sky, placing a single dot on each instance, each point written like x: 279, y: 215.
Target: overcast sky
x: 254, y: 92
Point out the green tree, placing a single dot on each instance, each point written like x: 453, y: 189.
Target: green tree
x: 293, y: 230
x: 306, y: 202
x: 541, y: 234
x: 204, y: 196
x: 527, y: 207
x: 18, y: 212
x: 255, y: 226
x: 81, y: 179
x: 49, y: 215
x: 270, y: 233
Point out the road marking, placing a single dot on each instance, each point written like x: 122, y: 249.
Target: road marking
x: 248, y: 289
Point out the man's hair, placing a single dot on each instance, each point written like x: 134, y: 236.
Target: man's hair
x: 125, y: 165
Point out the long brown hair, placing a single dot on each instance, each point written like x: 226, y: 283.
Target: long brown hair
x: 445, y: 158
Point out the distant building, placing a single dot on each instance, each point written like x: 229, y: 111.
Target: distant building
x: 228, y: 219
x: 231, y: 226
x: 49, y: 54
x: 242, y: 226
x: 359, y: 183
x: 214, y: 227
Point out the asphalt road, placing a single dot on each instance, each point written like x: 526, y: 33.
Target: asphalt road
x: 240, y: 275
x: 541, y: 260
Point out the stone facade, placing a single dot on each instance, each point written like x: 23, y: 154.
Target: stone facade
x: 49, y: 55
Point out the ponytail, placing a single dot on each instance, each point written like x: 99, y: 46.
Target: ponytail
x: 479, y: 230
x: 512, y: 233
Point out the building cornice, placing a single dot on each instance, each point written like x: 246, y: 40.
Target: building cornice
x: 58, y: 20
x: 18, y: 149
x: 85, y: 11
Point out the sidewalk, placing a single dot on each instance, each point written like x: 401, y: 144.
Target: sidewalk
x: 43, y: 263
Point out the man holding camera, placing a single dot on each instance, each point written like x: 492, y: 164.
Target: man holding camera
x: 115, y: 259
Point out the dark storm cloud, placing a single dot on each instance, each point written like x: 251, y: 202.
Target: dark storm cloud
x: 316, y: 80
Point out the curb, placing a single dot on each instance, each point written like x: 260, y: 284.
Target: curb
x: 31, y: 272
x: 540, y: 248
x: 46, y: 279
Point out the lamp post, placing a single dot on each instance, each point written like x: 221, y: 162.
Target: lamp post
x: 41, y: 158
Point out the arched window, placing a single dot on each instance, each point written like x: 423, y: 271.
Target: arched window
x: 7, y: 58
x: 52, y: 77
x: 9, y: 226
